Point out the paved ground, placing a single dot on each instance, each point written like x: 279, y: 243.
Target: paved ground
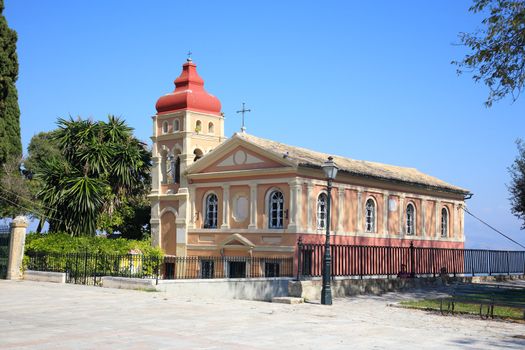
x: 50, y: 316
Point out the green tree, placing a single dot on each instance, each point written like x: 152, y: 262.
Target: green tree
x: 10, y: 143
x: 11, y: 181
x: 497, y: 54
x: 517, y: 184
x: 15, y: 193
x: 101, y: 166
x: 42, y: 148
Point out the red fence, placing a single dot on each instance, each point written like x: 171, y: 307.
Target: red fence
x: 360, y: 260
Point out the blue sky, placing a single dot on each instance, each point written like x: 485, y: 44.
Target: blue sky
x: 368, y: 80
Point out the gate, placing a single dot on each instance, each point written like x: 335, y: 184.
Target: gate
x: 5, y: 237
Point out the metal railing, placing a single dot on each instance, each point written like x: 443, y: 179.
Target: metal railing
x: 227, y: 267
x: 411, y: 261
x: 86, y: 268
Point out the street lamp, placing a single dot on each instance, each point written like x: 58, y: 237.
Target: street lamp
x: 330, y: 170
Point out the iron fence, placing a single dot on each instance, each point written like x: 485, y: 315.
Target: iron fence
x: 411, y: 261
x: 86, y: 268
x: 227, y: 267
x: 5, y: 237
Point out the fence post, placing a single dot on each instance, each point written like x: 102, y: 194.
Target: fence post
x: 85, y: 266
x: 454, y: 261
x: 95, y: 270
x: 361, y: 262
x: 472, y: 262
x: 388, y: 262
x: 412, y: 260
x: 157, y: 271
x: 508, y: 265
x: 299, y: 257
x: 432, y: 252
x: 488, y: 261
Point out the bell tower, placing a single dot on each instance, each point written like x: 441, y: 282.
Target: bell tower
x: 188, y: 124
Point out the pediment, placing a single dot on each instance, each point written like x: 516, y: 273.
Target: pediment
x: 236, y: 240
x: 236, y: 155
x: 241, y: 158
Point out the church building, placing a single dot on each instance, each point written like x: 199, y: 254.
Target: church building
x: 249, y: 196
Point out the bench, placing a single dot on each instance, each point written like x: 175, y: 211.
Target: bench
x: 487, y: 296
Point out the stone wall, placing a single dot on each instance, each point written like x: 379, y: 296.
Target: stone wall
x: 311, y: 289
x: 249, y: 289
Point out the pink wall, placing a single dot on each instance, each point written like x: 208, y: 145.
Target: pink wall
x: 379, y: 241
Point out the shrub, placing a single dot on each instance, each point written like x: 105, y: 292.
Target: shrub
x: 62, y: 243
x: 90, y: 256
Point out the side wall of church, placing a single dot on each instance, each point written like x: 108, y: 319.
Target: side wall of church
x: 348, y: 220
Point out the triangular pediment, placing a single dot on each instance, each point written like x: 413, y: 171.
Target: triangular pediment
x: 236, y: 240
x: 236, y: 154
x: 241, y: 158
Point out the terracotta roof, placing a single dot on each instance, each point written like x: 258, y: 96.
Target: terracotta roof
x: 303, y: 157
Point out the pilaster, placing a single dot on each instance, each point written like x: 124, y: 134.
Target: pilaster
x: 401, y: 216
x: 155, y: 223
x: 340, y: 208
x: 309, y: 209
x: 359, y: 210
x: 253, y: 207
x: 298, y: 207
x: 437, y: 233
x: 191, y: 207
x: 456, y: 221
x: 385, y: 213
x: 423, y: 217
x: 292, y: 223
x: 181, y: 224
x: 225, y: 207
x: 462, y: 226
x: 155, y: 178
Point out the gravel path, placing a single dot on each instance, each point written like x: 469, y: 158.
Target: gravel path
x: 51, y: 316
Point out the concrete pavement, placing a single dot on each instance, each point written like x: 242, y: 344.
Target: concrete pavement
x: 36, y: 315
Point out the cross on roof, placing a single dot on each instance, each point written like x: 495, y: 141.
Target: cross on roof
x: 189, y: 56
x: 243, y: 110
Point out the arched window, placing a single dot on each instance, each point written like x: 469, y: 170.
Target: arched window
x: 370, y: 215
x: 165, y: 127
x: 411, y: 219
x: 210, y: 128
x: 321, y: 211
x: 444, y: 222
x: 210, y: 220
x: 198, y: 154
x: 176, y: 125
x: 198, y: 126
x: 275, y: 210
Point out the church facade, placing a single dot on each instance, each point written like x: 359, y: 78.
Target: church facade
x: 249, y: 196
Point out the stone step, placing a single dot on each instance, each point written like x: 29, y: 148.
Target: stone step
x: 287, y: 300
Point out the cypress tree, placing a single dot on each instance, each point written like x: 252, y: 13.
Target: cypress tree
x: 10, y: 143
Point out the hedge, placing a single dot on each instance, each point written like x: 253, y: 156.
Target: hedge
x: 62, y: 243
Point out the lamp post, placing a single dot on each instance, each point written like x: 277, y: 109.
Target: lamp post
x: 330, y: 170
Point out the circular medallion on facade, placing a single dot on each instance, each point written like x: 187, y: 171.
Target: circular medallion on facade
x: 239, y: 157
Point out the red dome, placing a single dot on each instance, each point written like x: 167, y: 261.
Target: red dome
x: 189, y: 93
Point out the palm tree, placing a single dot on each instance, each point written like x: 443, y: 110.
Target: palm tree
x: 102, y: 164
